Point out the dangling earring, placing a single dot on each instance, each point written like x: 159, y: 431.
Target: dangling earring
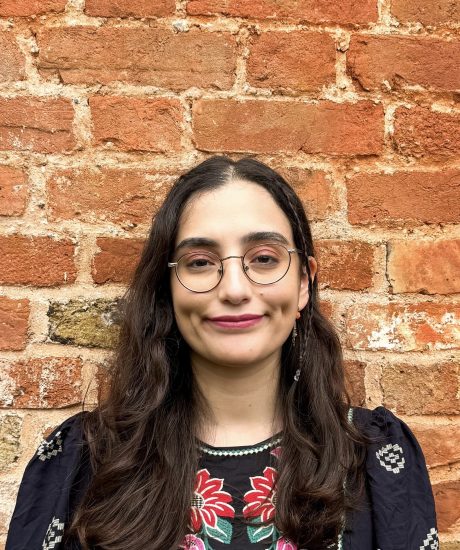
x: 294, y: 330
x: 294, y: 334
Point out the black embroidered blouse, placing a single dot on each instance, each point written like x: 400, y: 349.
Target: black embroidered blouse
x: 232, y: 483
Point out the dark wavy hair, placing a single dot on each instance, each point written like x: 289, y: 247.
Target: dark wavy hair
x: 141, y: 438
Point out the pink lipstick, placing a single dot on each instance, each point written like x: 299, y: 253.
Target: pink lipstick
x: 236, y: 321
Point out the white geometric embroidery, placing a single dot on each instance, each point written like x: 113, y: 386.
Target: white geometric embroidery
x: 390, y: 459
x: 53, y: 535
x: 47, y: 449
x: 431, y: 542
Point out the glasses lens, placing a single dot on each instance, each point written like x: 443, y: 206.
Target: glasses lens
x: 199, y: 271
x: 266, y: 263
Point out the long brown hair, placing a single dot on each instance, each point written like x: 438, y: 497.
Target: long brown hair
x: 142, y: 436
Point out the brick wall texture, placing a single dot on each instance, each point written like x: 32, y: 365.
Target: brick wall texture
x: 356, y: 102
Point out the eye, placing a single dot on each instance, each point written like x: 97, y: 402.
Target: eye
x: 199, y: 262
x: 265, y: 256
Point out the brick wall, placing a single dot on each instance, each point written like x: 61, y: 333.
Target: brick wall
x: 356, y: 102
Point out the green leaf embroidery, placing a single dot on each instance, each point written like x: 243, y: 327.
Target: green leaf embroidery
x: 222, y: 532
x: 256, y: 534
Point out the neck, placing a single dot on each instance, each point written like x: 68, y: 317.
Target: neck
x: 242, y: 400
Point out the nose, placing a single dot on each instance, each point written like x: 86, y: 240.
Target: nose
x: 234, y: 285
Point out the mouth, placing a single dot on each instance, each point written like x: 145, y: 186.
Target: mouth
x: 235, y: 321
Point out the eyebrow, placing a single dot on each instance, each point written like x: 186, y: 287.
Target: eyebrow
x: 255, y: 236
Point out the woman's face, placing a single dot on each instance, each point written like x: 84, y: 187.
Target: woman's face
x: 226, y: 215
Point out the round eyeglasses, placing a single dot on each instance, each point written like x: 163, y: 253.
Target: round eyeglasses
x: 263, y: 264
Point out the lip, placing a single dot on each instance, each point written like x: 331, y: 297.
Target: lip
x: 236, y: 321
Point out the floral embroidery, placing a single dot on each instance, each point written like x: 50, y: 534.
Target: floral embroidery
x: 260, y: 505
x: 210, y: 505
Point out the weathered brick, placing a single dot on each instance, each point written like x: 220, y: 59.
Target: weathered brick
x: 327, y: 308
x: 85, y: 323
x: 24, y: 8
x: 401, y: 60
x: 447, y: 497
x: 11, y: 59
x: 117, y: 260
x: 49, y: 382
x: 150, y: 56
x: 354, y: 378
x: 40, y: 125
x: 277, y: 126
x: 130, y: 8
x: 38, y: 261
x: 420, y: 389
x: 14, y: 323
x: 313, y: 188
x: 403, y: 327
x: 412, y: 266
x: 314, y: 11
x: 125, y: 197
x: 404, y: 198
x: 133, y: 124
x: 8, y: 494
x: 356, y: 258
x: 274, y: 61
x: 10, y: 433
x: 13, y: 191
x: 440, y: 443
x: 426, y: 11
x: 420, y: 132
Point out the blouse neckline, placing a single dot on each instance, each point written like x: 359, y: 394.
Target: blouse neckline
x: 241, y: 450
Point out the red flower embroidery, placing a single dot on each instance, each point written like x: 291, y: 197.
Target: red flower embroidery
x: 257, y: 503
x: 209, y: 501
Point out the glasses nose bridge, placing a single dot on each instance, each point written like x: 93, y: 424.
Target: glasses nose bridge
x: 241, y: 258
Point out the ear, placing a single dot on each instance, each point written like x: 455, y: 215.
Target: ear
x: 303, y: 293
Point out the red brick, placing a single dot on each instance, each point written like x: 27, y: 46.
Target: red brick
x: 150, y: 56
x: 11, y: 59
x: 102, y: 381
x: 24, y: 8
x: 404, y: 61
x: 125, y: 197
x: 447, y: 497
x: 133, y: 124
x: 274, y: 61
x: 426, y: 267
x: 313, y: 188
x: 426, y: 11
x: 116, y: 261
x: 13, y: 191
x: 420, y: 132
x: 403, y: 327
x: 37, y: 261
x: 420, y: 389
x: 440, y: 443
x: 130, y: 8
x: 50, y: 382
x: 279, y: 126
x: 404, y: 198
x: 314, y: 11
x: 354, y: 378
x: 14, y: 323
x: 326, y: 308
x: 41, y: 125
x: 355, y: 258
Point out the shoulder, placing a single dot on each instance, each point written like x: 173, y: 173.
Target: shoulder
x: 44, y: 492
x: 398, y: 482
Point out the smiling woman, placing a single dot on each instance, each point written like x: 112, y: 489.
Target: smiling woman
x: 227, y: 423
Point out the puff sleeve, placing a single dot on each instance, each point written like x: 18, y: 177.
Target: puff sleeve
x: 402, y: 503
x: 42, y: 504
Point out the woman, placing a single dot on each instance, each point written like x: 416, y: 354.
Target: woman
x: 227, y: 424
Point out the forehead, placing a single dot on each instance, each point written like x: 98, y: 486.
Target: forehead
x: 233, y: 210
